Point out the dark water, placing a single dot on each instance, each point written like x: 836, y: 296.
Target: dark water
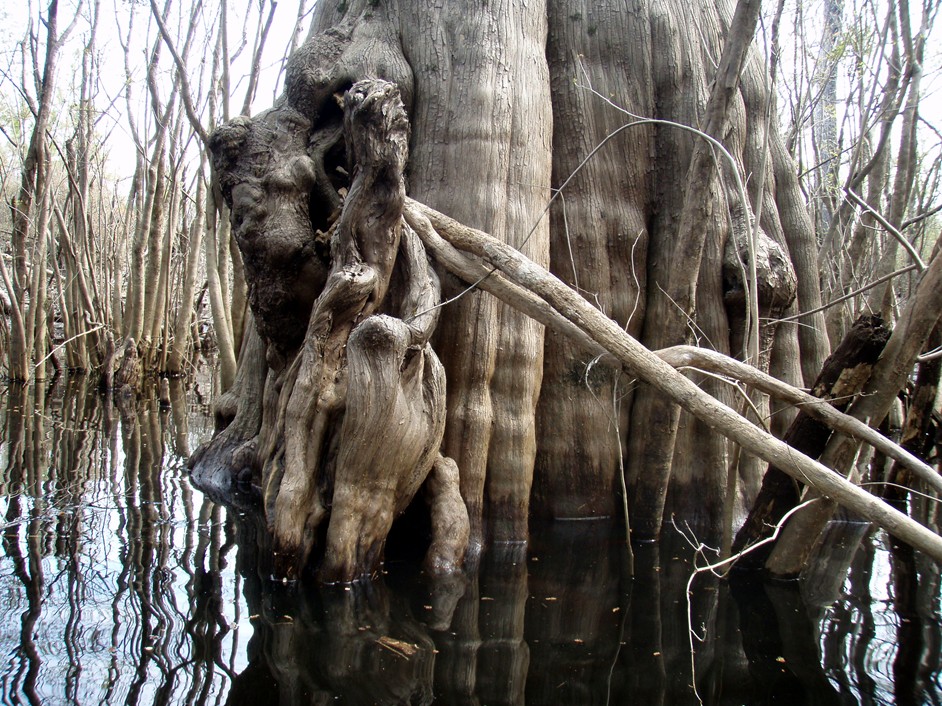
x: 120, y: 583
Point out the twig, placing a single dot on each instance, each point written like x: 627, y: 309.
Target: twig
x: 698, y: 548
x: 849, y: 295
x: 66, y: 342
x: 621, y: 479
x: 890, y: 228
x: 930, y: 355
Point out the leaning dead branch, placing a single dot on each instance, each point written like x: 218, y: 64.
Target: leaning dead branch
x: 494, y: 281
x: 711, y: 361
x: 654, y: 371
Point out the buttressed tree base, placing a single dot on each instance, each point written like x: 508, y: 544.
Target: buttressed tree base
x: 365, y: 375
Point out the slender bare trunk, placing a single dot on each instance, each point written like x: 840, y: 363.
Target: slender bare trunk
x: 224, y: 338
x: 185, y: 307
x: 28, y: 206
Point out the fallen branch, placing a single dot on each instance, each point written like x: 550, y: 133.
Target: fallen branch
x: 654, y: 371
x: 712, y: 361
x: 495, y: 282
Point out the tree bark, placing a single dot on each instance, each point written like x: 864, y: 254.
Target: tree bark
x: 362, y: 390
x: 843, y: 376
x: 182, y: 339
x: 916, y: 323
x: 29, y: 208
x: 599, y: 243
x: 676, y: 292
x: 916, y: 434
x: 508, y: 105
x: 490, y: 131
x: 653, y: 371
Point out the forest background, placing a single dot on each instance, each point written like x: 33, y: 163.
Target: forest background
x: 116, y: 245
x: 121, y: 214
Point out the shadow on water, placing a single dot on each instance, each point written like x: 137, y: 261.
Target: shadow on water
x: 122, y: 584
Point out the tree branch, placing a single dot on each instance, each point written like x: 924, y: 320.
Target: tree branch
x: 652, y: 370
x: 182, y: 71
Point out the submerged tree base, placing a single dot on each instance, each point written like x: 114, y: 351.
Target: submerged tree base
x: 344, y: 426
x: 351, y: 425
x: 340, y: 411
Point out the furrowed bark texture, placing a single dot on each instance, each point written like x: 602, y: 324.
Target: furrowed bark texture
x: 482, y: 120
x: 617, y: 236
x: 507, y: 101
x: 346, y: 418
x: 656, y: 372
x: 693, y: 225
x: 599, y: 243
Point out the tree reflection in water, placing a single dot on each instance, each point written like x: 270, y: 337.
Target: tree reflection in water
x: 122, y: 584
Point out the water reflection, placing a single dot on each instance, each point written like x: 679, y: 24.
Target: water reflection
x: 122, y: 584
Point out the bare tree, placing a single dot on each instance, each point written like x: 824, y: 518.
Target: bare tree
x: 31, y: 207
x: 650, y: 220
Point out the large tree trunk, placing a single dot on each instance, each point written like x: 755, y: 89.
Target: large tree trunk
x: 599, y: 243
x: 506, y: 104
x: 482, y: 119
x: 353, y: 408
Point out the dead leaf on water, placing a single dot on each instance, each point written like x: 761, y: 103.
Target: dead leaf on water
x: 398, y: 647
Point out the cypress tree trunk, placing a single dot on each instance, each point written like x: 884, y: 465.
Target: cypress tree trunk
x: 506, y: 104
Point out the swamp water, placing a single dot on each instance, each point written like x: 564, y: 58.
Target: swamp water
x: 120, y: 583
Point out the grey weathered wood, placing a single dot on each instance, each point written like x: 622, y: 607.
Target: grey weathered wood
x: 662, y: 377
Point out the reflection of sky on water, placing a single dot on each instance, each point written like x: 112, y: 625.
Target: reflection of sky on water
x: 121, y: 583
x: 121, y: 542
x: 861, y: 632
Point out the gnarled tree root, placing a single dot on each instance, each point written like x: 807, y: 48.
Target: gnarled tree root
x: 392, y: 428
x: 451, y: 528
x: 230, y: 455
x: 353, y: 416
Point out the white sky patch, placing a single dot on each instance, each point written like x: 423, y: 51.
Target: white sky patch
x: 111, y: 105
